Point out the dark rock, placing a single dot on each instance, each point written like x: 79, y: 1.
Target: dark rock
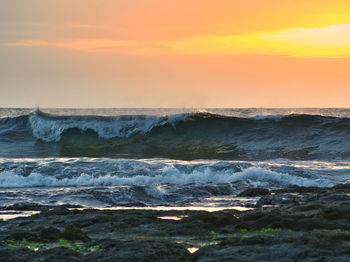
x: 20, y: 235
x: 277, y: 200
x: 74, y: 233
x: 253, y: 192
x: 336, y: 212
x: 185, y: 229
x: 289, y: 246
x: 338, y: 235
x: 24, y: 207
x: 16, y: 255
x: 152, y: 251
x: 89, y: 220
x: 311, y: 206
x: 212, y: 218
x: 312, y: 225
x: 342, y: 187
x: 300, y: 189
x: 60, y: 254
x: 58, y: 211
x: 49, y: 234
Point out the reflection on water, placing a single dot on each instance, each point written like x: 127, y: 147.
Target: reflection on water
x: 172, y: 217
x: 167, y: 208
x: 6, y: 215
x: 192, y: 249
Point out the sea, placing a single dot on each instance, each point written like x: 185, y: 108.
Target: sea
x: 167, y: 158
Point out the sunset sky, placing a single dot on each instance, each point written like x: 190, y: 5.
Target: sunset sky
x: 175, y: 53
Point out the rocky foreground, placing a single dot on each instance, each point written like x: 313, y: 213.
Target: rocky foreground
x: 293, y: 224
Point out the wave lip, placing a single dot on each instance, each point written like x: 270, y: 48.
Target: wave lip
x: 49, y: 128
x: 184, y: 136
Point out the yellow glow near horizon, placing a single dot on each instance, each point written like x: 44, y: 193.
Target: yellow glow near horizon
x: 159, y: 53
x: 329, y: 41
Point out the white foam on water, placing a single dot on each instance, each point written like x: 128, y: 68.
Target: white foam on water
x: 50, y: 129
x: 168, y: 175
x: 271, y: 117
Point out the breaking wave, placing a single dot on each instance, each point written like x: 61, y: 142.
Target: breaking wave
x: 182, y: 136
x: 49, y: 128
x: 254, y: 176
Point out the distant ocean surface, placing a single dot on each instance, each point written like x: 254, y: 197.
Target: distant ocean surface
x: 167, y: 157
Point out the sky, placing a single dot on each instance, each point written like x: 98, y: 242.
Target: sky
x: 175, y: 53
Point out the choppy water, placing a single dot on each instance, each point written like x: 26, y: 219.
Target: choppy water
x: 177, y: 157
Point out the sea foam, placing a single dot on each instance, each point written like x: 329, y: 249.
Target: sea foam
x: 49, y: 128
x: 254, y: 176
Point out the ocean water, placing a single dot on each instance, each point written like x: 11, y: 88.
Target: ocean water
x: 167, y: 157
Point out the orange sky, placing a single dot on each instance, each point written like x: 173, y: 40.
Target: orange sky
x: 156, y: 53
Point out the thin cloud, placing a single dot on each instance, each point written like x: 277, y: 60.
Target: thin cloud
x: 330, y: 41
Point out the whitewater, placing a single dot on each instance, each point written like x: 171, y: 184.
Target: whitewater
x: 172, y: 157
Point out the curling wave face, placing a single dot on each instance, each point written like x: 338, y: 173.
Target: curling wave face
x: 183, y: 136
x: 49, y: 128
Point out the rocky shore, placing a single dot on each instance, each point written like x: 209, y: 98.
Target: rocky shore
x: 291, y: 224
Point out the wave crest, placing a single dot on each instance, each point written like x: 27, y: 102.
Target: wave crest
x: 253, y: 176
x: 182, y: 136
x: 49, y: 128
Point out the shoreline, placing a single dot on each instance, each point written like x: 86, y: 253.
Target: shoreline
x: 291, y: 224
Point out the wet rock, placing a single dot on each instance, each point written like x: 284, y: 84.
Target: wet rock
x: 185, y: 229
x: 89, y: 220
x: 49, y: 234
x: 253, y: 192
x: 311, y: 206
x: 216, y: 219
x: 300, y: 189
x: 60, y: 254
x: 275, y: 200
x: 8, y: 254
x: 303, y: 224
x: 57, y: 211
x: 74, y: 233
x: 25, y: 207
x: 345, y: 187
x: 21, y: 234
x: 152, y: 251
x: 288, y: 246
x: 336, y: 212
